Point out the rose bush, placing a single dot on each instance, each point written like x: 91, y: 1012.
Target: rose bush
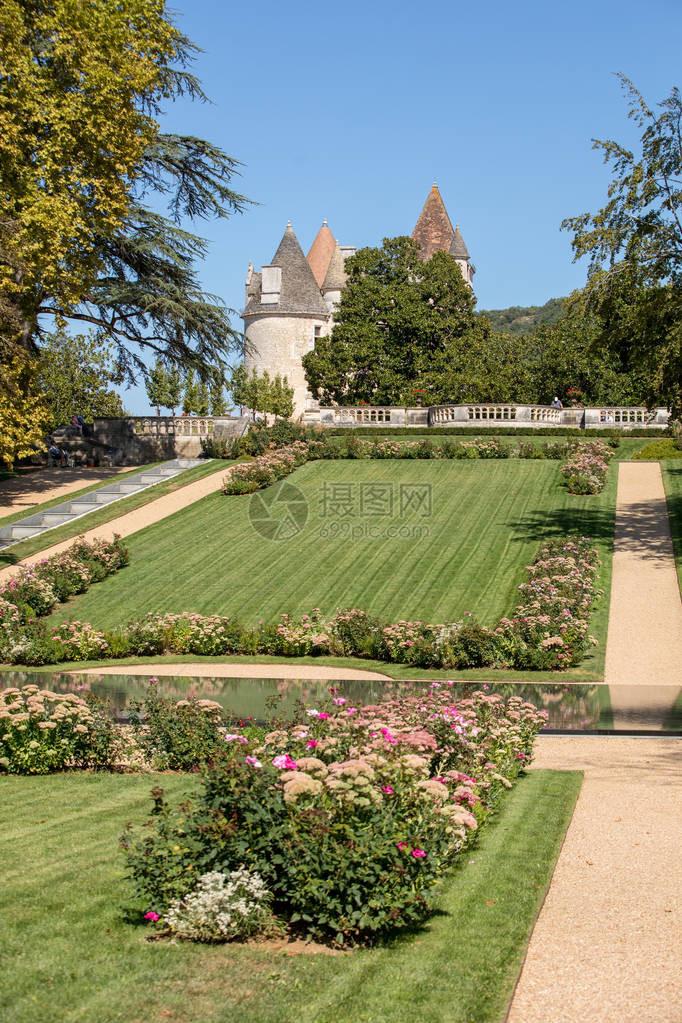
x: 349, y: 815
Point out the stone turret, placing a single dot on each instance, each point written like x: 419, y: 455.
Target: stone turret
x: 321, y: 252
x: 284, y: 314
x: 433, y: 232
x: 335, y: 280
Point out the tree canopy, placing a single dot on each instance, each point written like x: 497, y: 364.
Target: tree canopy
x: 81, y: 153
x: 74, y: 374
x: 634, y: 244
x: 404, y: 328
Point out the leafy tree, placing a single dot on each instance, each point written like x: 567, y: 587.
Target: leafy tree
x: 635, y: 247
x: 203, y: 400
x: 156, y: 385
x: 281, y: 398
x: 74, y: 374
x: 402, y: 325
x: 24, y: 413
x: 567, y: 355
x: 217, y: 394
x: 174, y: 384
x: 252, y: 390
x: 190, y: 397
x: 81, y: 152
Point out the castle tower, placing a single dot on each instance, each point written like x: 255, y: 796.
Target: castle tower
x: 284, y: 314
x: 433, y: 232
x: 335, y: 280
x: 321, y: 252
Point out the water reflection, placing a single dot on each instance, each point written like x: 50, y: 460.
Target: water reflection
x: 571, y: 708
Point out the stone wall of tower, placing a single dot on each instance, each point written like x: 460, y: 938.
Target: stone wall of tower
x: 277, y: 342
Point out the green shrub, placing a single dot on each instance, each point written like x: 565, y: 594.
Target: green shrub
x: 179, y: 735
x: 658, y: 450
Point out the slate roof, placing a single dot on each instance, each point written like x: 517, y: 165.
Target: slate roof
x: 300, y: 292
x: 321, y: 252
x: 335, y: 279
x: 433, y: 230
x: 457, y: 247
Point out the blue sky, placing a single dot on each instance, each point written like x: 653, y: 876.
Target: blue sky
x: 351, y: 111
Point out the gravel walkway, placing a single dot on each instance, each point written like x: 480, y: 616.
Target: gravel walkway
x: 237, y: 669
x: 644, y: 645
x: 133, y: 521
x: 34, y: 488
x: 607, y: 945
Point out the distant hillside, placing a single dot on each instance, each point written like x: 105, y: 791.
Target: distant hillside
x: 519, y: 320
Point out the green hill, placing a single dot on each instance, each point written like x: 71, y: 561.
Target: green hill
x: 522, y: 320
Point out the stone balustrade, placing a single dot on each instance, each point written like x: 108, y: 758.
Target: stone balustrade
x: 173, y: 426
x: 482, y: 415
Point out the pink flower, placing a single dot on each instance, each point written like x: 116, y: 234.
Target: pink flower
x: 340, y: 700
x: 322, y: 716
x: 284, y: 762
x: 239, y: 738
x: 152, y: 916
x: 387, y: 789
x: 253, y: 762
x: 418, y: 854
x: 402, y: 845
x: 311, y: 744
x: 352, y: 710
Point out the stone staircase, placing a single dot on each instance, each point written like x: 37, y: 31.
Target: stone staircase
x: 68, y: 511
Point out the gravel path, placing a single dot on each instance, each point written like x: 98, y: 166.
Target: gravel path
x: 644, y: 645
x: 607, y: 945
x: 34, y: 488
x: 237, y: 669
x: 133, y: 521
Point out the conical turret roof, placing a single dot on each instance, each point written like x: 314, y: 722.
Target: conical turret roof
x: 321, y: 252
x: 299, y: 290
x: 457, y: 247
x: 433, y: 231
x: 336, y: 274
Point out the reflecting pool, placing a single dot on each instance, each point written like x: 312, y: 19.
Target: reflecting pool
x: 571, y: 708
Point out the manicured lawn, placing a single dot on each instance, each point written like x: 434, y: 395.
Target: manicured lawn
x: 672, y: 480
x: 31, y: 546
x: 488, y: 520
x: 68, y: 954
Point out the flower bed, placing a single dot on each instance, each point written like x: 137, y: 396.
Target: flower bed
x: 35, y: 591
x: 42, y: 731
x: 584, y: 470
x: 348, y: 817
x: 547, y: 631
x: 38, y: 587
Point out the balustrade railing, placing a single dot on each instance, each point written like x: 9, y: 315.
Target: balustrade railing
x: 506, y: 412
x: 173, y: 426
x: 362, y: 414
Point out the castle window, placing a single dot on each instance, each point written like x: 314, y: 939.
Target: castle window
x: 317, y: 332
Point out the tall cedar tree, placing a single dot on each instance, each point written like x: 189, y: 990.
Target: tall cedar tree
x: 81, y: 86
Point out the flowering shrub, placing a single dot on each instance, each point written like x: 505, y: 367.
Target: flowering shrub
x: 77, y: 641
x: 586, y: 468
x: 265, y: 469
x: 222, y: 907
x: 178, y: 735
x: 42, y: 731
x: 550, y: 628
x: 38, y: 587
x: 350, y: 816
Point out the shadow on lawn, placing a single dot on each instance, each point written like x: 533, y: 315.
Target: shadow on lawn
x: 596, y: 523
